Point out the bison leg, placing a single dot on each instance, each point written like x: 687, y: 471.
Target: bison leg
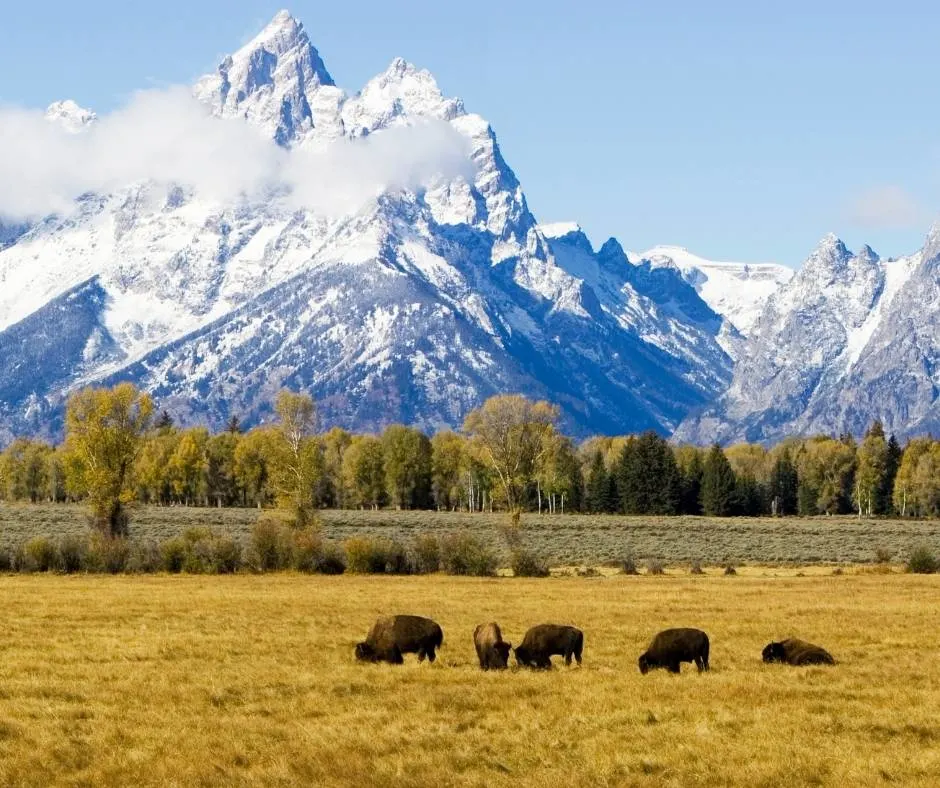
x: 421, y: 655
x: 577, y: 655
x: 431, y: 655
x: 673, y: 667
x: 568, y: 659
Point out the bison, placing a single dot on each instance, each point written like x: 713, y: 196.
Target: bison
x: 492, y: 650
x: 797, y: 652
x: 545, y: 640
x: 393, y: 636
x: 673, y: 646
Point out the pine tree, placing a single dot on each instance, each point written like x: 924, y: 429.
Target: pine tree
x: 164, y: 422
x: 597, y: 485
x: 892, y: 463
x: 784, y: 486
x: 718, y: 484
x: 234, y: 425
x: 691, y: 486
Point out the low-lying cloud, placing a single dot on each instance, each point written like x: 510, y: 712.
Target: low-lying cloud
x: 887, y: 208
x: 169, y: 137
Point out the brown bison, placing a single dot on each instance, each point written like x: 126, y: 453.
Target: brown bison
x: 797, y: 652
x: 393, y: 636
x: 545, y: 640
x: 492, y: 650
x: 673, y: 646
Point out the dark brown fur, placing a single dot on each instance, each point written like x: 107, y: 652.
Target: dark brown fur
x: 674, y: 646
x: 393, y: 636
x: 492, y: 650
x: 797, y: 652
x: 545, y: 640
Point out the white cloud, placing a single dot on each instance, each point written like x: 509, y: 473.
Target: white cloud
x: 169, y: 137
x: 887, y: 208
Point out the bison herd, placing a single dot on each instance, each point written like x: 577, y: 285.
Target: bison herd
x: 393, y: 636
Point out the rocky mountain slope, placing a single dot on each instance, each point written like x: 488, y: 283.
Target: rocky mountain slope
x: 412, y: 306
x: 848, y: 339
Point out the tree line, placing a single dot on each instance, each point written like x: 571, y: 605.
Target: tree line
x: 509, y: 455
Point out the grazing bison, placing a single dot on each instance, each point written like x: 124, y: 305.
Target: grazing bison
x: 545, y: 640
x: 393, y: 636
x: 672, y: 646
x: 492, y: 650
x: 797, y: 652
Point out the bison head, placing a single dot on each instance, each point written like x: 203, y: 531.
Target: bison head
x: 502, y: 653
x: 644, y: 663
x: 365, y: 652
x: 523, y: 658
x: 774, y: 652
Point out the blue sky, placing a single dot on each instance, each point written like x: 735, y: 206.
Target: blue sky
x: 738, y: 129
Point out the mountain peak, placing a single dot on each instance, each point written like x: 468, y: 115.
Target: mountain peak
x: 70, y: 115
x: 275, y: 81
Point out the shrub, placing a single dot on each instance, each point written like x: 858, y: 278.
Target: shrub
x: 696, y: 568
x: 464, y: 554
x: 39, y: 555
x: 107, y: 554
x: 527, y: 564
x: 226, y: 555
x: 145, y: 557
x: 372, y: 555
x: 922, y: 561
x: 838, y: 571
x: 6, y: 560
x: 655, y: 567
x: 730, y: 570
x: 199, y: 555
x: 307, y: 549
x: 332, y: 559
x: 271, y: 544
x: 71, y: 554
x: 427, y: 554
x: 883, y: 555
x: 173, y: 554
x: 628, y: 566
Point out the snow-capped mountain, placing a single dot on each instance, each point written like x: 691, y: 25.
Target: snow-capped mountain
x: 738, y: 291
x: 849, y: 338
x: 412, y: 307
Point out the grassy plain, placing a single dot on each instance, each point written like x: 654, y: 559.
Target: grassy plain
x: 195, y: 680
x: 560, y: 539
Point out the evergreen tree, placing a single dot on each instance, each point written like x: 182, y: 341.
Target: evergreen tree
x: 691, y: 485
x: 627, y: 473
x: 892, y: 464
x: 748, y: 496
x: 718, y: 484
x: 164, y: 422
x: 783, y: 490
x: 234, y: 425
x: 595, y: 493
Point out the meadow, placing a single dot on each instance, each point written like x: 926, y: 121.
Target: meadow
x: 250, y: 679
x: 562, y: 540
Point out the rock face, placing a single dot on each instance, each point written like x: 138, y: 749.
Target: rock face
x: 849, y: 339
x: 413, y: 307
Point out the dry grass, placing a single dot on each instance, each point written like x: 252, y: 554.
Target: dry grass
x: 250, y: 680
x: 559, y: 539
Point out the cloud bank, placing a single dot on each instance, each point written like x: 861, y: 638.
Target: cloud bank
x: 168, y: 137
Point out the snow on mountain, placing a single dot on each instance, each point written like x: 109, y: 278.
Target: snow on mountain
x: 849, y: 338
x: 413, y: 307
x: 737, y: 291
x: 70, y: 116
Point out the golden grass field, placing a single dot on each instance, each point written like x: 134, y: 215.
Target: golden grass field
x: 196, y: 680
